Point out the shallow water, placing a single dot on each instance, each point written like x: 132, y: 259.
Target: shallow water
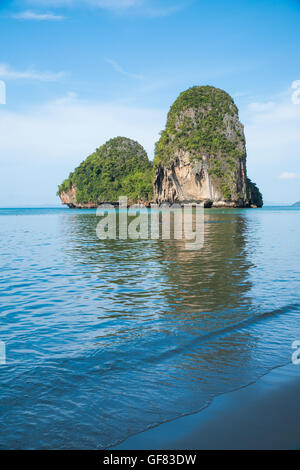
x: 107, y: 338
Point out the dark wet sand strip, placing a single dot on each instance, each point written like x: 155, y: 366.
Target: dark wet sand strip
x: 264, y: 415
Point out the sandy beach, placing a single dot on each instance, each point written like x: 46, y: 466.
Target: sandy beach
x: 263, y: 415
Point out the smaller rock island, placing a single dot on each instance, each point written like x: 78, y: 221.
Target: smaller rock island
x: 119, y: 168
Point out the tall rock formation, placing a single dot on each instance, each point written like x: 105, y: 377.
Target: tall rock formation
x: 201, y: 155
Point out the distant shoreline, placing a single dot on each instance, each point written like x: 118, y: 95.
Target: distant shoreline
x: 63, y: 206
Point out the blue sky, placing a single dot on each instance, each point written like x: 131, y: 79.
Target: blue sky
x: 78, y: 72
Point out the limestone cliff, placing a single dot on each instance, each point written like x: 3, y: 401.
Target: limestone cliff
x: 201, y: 155
x: 69, y: 198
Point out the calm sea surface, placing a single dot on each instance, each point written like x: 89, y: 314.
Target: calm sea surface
x: 105, y: 339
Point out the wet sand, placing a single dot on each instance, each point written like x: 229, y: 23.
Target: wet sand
x: 263, y: 415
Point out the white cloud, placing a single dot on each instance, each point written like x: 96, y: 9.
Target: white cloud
x: 155, y: 12
x: 108, y: 4
x: 149, y: 8
x: 8, y: 73
x: 31, y: 15
x: 274, y: 126
x: 120, y: 70
x: 40, y: 146
x: 69, y: 127
x: 261, y: 107
x: 289, y: 176
x: 273, y: 143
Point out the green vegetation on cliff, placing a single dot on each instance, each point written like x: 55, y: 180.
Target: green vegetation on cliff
x: 200, y: 122
x: 203, y: 125
x: 201, y: 155
x: 118, y: 168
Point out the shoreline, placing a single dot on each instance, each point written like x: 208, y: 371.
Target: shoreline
x: 148, y: 205
x: 261, y: 415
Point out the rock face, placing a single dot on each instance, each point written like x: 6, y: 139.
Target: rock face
x: 201, y: 155
x: 69, y: 199
x: 118, y: 168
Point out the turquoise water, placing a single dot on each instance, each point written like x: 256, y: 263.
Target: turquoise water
x: 105, y: 339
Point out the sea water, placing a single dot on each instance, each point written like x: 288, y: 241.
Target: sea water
x: 107, y: 338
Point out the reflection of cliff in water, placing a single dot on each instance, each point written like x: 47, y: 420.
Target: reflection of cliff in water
x: 215, y: 277
x: 213, y: 280
x: 208, y: 292
x: 159, y: 312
